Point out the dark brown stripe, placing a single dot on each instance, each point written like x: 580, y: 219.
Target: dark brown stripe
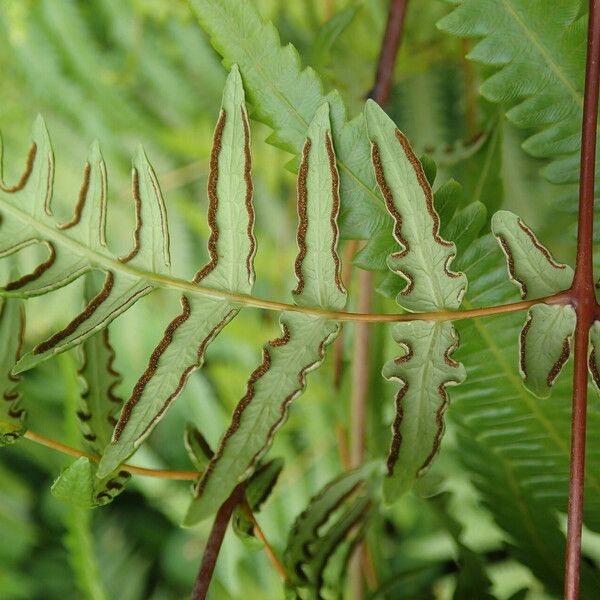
x: 394, y: 451
x: 439, y: 420
x: 80, y: 318
x: 80, y: 199
x: 138, y: 219
x: 248, y: 199
x: 302, y: 199
x: 213, y: 200
x: 186, y: 373
x: 391, y: 207
x: 558, y: 365
x: 522, y: 342
x: 236, y: 418
x: 151, y: 368
x: 594, y: 367
x: 539, y: 246
x: 26, y: 173
x: 511, y: 265
x: 335, y: 209
x: 36, y: 273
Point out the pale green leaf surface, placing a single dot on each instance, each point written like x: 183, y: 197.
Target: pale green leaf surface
x: 545, y: 346
x: 12, y: 324
x: 281, y: 377
x: 231, y: 248
x: 424, y: 371
x: 544, y: 341
x: 530, y: 265
x: 424, y: 259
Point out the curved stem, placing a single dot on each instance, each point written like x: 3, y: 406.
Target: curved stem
x: 584, y: 300
x: 58, y: 446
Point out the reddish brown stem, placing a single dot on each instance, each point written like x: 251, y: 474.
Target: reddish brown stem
x: 215, y: 539
x: 584, y: 300
x: 360, y: 359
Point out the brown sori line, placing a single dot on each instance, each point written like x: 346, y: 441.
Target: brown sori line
x: 447, y: 354
x: 539, y: 246
x: 389, y: 202
x: 80, y: 199
x: 290, y: 397
x: 90, y: 437
x: 335, y: 209
x: 594, y: 367
x: 522, y: 340
x: 151, y: 368
x: 394, y: 451
x: 26, y: 173
x: 249, y: 193
x: 424, y: 185
x: 242, y: 405
x: 186, y: 372
x: 511, y: 265
x: 213, y: 200
x: 84, y: 416
x: 49, y: 180
x: 268, y: 489
x: 9, y: 396
x: 403, y: 359
x: 112, y: 397
x: 138, y: 219
x: 92, y: 306
x: 439, y: 420
x: 36, y: 273
x: 16, y: 413
x: 302, y: 199
x: 558, y: 365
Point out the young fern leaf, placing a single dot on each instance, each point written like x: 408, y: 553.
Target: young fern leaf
x: 96, y: 412
x: 231, y: 248
x: 281, y: 377
x: 79, y: 245
x: 198, y: 449
x: 331, y: 516
x: 594, y: 360
x: 426, y: 367
x: 544, y: 343
x: 12, y: 325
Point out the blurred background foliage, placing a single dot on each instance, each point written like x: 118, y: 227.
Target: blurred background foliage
x: 143, y: 71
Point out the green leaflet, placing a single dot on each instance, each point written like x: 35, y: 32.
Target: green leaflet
x: 12, y: 325
x: 538, y: 57
x: 424, y: 371
x: 79, y: 245
x: 425, y: 257
x: 198, y: 449
x: 594, y: 360
x: 424, y: 262
x: 327, y: 521
x: 544, y: 341
x: 281, y: 377
x: 96, y: 412
x: 231, y: 249
x: 286, y: 98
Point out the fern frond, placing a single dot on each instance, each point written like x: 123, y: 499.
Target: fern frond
x: 231, y: 248
x: 538, y: 57
x: 424, y: 260
x: 281, y: 377
x: 12, y: 325
x: 286, y: 97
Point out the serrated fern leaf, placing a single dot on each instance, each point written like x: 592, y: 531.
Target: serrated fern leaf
x: 286, y: 98
x: 545, y: 338
x: 330, y: 517
x: 538, y: 57
x: 281, y: 377
x: 424, y: 260
x: 231, y: 248
x: 12, y: 324
x: 79, y: 245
